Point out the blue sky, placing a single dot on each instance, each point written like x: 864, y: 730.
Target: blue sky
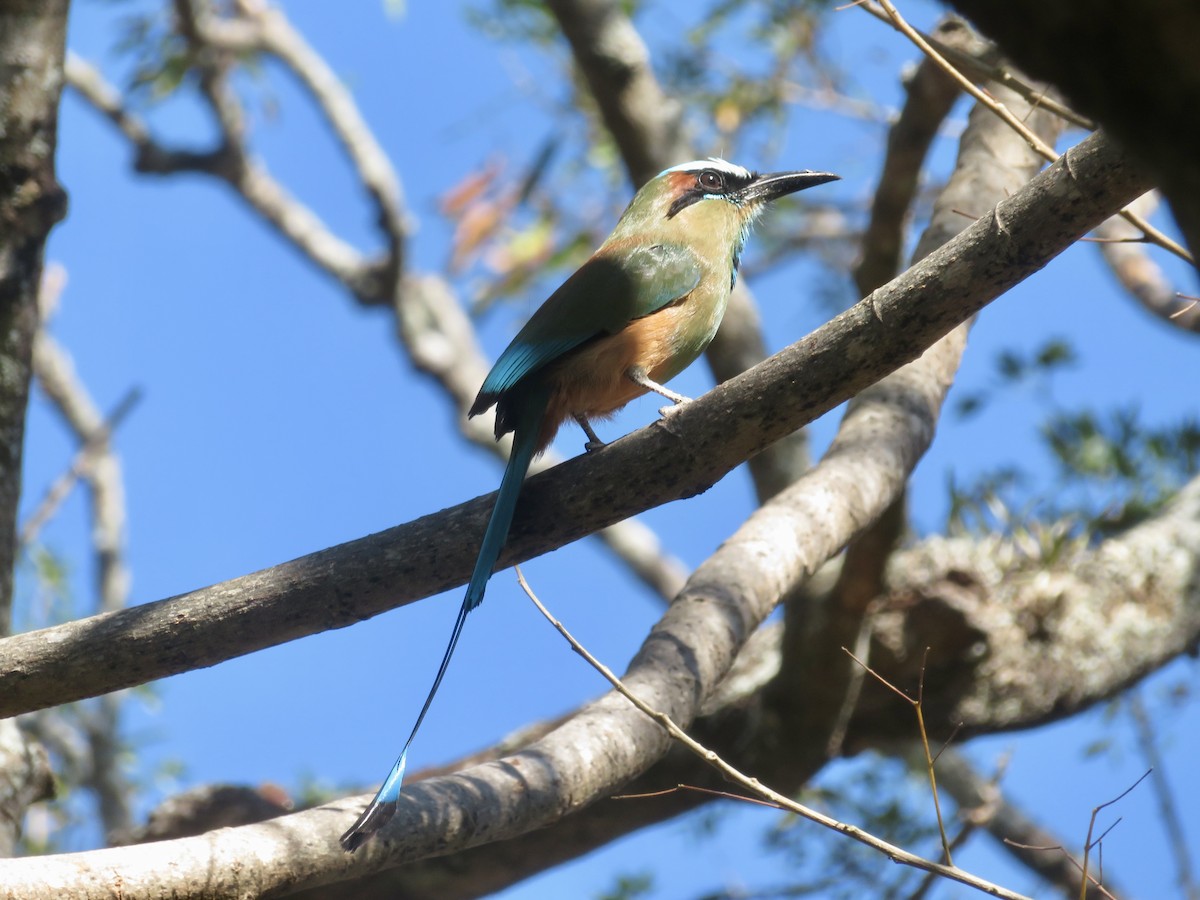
x: 278, y: 419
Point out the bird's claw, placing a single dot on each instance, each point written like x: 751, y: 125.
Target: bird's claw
x: 668, y: 411
x: 593, y: 446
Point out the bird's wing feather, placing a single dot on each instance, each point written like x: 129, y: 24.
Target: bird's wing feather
x: 617, y: 285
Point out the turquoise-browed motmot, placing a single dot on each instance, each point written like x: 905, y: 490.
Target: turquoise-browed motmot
x: 632, y: 317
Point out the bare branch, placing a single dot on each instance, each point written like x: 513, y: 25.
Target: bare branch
x: 1167, y: 806
x: 230, y: 163
x: 930, y: 97
x: 980, y: 801
x: 265, y: 29
x: 753, y: 785
x: 992, y: 163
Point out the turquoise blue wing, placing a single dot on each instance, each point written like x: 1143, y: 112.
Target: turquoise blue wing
x: 614, y: 287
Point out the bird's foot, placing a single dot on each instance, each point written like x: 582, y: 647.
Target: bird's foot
x: 593, y: 441
x: 668, y: 411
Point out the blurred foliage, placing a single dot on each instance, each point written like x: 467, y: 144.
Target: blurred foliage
x: 158, y: 53
x: 629, y: 887
x: 727, y: 90
x: 1015, y: 369
x: 43, y: 589
x: 1112, y: 469
x: 524, y: 248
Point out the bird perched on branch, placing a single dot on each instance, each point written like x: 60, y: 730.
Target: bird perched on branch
x: 632, y: 317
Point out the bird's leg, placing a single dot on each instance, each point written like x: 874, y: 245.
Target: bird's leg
x: 593, y: 442
x: 638, y: 376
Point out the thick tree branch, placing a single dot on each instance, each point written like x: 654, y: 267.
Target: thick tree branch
x: 751, y: 732
x: 993, y: 161
x: 931, y: 94
x: 1021, y: 637
x: 669, y: 460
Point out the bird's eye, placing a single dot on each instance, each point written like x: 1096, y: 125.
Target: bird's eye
x: 712, y: 180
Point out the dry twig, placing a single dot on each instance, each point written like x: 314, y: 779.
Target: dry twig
x: 894, y: 853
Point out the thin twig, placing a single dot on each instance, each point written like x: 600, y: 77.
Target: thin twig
x: 1168, y: 809
x: 1089, y: 844
x: 894, y: 853
x: 1186, y: 309
x: 60, y: 488
x: 987, y: 65
x: 858, y: 676
x: 1086, y: 878
x: 917, y: 706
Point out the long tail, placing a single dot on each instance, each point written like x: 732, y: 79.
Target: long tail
x: 381, y: 809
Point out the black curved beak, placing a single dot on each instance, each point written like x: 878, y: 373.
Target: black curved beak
x: 772, y: 186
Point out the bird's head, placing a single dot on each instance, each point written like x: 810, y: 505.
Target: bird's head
x: 710, y: 198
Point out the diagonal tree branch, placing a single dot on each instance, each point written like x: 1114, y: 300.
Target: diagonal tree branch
x: 930, y: 97
x: 669, y: 460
